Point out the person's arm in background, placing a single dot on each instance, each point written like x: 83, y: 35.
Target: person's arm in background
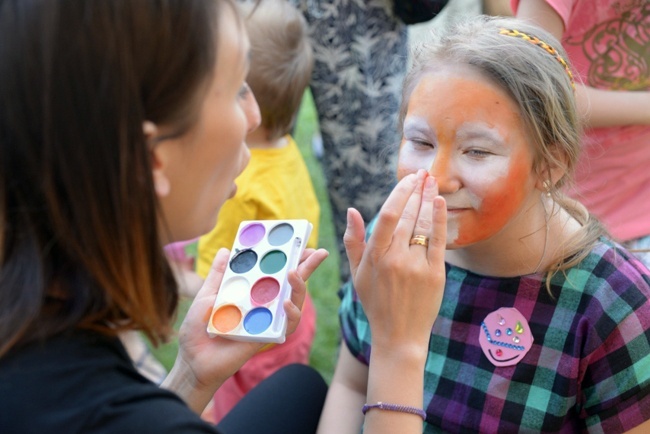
x: 599, y: 107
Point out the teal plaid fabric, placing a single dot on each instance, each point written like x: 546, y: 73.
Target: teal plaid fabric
x: 587, y: 371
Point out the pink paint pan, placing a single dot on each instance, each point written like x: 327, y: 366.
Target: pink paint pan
x: 249, y: 305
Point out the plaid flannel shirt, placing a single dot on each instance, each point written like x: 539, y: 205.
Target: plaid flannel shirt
x: 587, y: 371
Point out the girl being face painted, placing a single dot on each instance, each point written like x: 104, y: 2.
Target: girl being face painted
x: 467, y: 132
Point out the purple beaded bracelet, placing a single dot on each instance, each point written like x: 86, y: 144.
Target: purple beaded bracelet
x: 394, y: 407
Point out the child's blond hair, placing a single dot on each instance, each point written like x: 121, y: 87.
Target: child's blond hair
x: 281, y: 62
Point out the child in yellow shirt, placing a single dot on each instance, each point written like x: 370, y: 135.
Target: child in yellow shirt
x: 276, y: 183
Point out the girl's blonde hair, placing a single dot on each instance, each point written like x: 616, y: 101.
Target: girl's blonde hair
x: 532, y: 67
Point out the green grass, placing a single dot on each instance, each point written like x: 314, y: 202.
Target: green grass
x: 324, y: 283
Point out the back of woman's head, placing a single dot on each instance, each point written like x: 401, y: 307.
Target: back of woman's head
x: 79, y: 238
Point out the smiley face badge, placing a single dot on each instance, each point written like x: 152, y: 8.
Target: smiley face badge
x: 505, y: 337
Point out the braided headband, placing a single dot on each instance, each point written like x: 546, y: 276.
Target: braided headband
x: 535, y: 40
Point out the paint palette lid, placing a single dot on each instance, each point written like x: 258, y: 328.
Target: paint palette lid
x: 249, y: 304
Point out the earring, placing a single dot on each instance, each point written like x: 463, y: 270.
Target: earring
x: 547, y: 187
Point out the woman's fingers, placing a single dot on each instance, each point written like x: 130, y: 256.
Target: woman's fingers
x: 424, y: 225
x: 438, y: 240
x: 390, y: 215
x: 354, y: 239
x: 310, y: 260
x: 215, y: 275
x: 293, y: 313
x: 411, y: 212
x: 293, y: 306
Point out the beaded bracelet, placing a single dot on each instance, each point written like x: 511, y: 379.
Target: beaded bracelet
x: 395, y: 407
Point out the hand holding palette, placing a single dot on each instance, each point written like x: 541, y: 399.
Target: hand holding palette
x: 249, y: 305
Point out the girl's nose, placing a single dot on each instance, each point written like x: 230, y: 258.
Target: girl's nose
x: 443, y: 170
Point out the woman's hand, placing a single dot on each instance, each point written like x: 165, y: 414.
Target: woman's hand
x: 204, y: 363
x: 400, y: 281
x: 401, y: 284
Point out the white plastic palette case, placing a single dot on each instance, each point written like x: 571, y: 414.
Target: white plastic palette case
x: 249, y: 305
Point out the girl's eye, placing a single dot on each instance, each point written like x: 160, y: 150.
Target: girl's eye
x: 421, y: 143
x: 478, y: 153
x: 244, y: 91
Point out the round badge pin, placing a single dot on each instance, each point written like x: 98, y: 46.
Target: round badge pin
x: 505, y: 337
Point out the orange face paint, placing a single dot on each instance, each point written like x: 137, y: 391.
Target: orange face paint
x: 468, y: 134
x: 499, y: 205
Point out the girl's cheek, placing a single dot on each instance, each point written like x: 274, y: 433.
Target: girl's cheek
x: 403, y: 165
x: 404, y: 168
x: 410, y: 162
x: 402, y: 172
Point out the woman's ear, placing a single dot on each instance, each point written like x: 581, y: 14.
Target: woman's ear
x: 160, y: 180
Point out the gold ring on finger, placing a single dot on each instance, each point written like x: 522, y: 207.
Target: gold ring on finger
x: 420, y: 240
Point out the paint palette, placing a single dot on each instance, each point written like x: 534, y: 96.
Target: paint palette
x: 249, y: 305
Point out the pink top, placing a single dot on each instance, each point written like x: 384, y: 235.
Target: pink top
x: 608, y: 43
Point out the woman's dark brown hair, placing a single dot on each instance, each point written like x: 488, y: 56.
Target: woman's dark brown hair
x: 78, y: 214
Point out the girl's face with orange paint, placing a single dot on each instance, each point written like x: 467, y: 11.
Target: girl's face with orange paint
x: 467, y: 132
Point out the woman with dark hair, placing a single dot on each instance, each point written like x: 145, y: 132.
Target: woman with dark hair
x: 122, y: 129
